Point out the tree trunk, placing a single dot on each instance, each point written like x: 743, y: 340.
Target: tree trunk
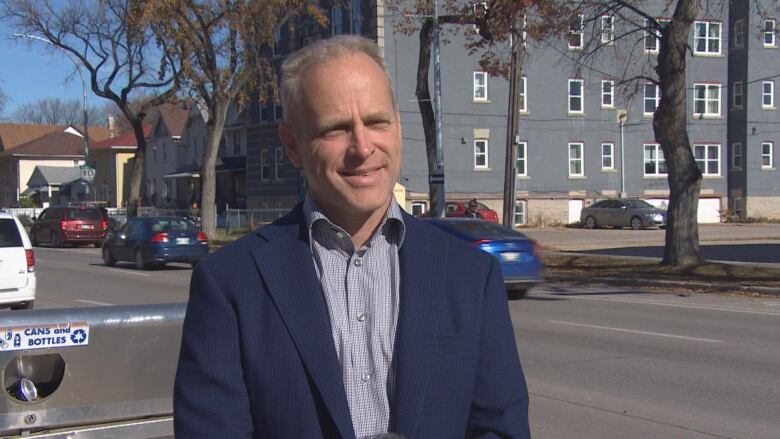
x: 214, y: 127
x: 670, y: 127
x: 139, y: 167
x: 426, y: 110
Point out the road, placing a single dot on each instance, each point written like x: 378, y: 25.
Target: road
x: 600, y: 362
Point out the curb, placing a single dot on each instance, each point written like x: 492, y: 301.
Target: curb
x: 664, y: 284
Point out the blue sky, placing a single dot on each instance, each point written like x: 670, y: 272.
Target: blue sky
x: 30, y: 70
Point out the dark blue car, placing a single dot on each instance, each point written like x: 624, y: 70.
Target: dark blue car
x: 154, y: 241
x: 517, y: 254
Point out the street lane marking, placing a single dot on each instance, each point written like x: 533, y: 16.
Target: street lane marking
x: 94, y: 302
x: 136, y: 272
x: 723, y: 308
x: 632, y: 331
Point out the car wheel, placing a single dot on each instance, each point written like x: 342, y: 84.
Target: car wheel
x: 590, y: 223
x: 108, y: 258
x: 139, y: 260
x: 98, y: 244
x: 23, y: 305
x: 55, y: 240
x: 636, y: 223
x: 33, y: 240
x: 516, y: 293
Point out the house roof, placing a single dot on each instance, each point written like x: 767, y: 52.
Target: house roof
x: 124, y: 140
x: 96, y: 133
x: 15, y: 134
x: 53, y: 144
x: 175, y: 117
x: 51, y: 175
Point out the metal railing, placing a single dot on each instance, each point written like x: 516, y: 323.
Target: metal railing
x: 248, y: 219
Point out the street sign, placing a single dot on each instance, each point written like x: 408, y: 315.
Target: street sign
x: 87, y: 173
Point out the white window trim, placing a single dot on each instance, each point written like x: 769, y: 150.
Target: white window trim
x: 707, y: 38
x: 477, y: 87
x: 581, y: 96
x: 524, y: 96
x: 651, y: 33
x: 422, y: 204
x: 265, y: 164
x: 581, y: 159
x: 477, y: 154
x: 658, y: 153
x: 579, y: 34
x: 278, y: 160
x: 611, y: 156
x: 608, y: 29
x: 656, y: 99
x: 739, y: 33
x: 611, y: 93
x: 706, y: 160
x: 765, y: 32
x: 738, y: 91
x: 523, y: 145
x: 707, y: 87
x: 735, y: 149
x: 524, y: 204
x: 771, y: 155
x: 771, y: 95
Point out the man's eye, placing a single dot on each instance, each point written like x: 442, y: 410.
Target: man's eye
x: 333, y: 132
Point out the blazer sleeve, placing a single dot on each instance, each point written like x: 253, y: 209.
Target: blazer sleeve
x: 500, y: 404
x: 210, y: 398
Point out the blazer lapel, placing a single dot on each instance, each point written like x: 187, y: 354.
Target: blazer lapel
x: 285, y: 263
x: 422, y: 262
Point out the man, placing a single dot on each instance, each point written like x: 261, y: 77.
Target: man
x: 348, y: 317
x: 472, y: 209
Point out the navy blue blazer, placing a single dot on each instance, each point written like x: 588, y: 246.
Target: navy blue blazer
x: 257, y: 356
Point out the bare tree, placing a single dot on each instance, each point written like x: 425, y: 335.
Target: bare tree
x: 118, y: 53
x: 56, y: 111
x: 3, y: 100
x: 219, y: 45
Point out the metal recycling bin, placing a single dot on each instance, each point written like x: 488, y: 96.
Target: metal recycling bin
x: 89, y: 372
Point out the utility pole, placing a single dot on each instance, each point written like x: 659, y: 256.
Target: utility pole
x: 436, y: 180
x: 510, y: 166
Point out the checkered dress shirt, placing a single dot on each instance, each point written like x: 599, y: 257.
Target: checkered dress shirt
x: 361, y: 288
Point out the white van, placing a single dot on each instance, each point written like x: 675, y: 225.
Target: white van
x: 17, y: 265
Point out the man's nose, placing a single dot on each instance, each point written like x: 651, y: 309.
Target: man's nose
x: 360, y: 146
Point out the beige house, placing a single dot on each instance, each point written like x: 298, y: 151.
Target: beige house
x: 113, y: 163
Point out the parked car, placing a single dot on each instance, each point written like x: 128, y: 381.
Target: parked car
x: 629, y: 212
x: 17, y: 265
x: 82, y: 224
x: 457, y: 209
x: 517, y: 254
x: 155, y: 241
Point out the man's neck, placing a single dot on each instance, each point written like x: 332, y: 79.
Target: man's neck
x: 361, y: 227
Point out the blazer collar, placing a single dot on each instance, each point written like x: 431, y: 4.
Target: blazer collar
x: 285, y: 263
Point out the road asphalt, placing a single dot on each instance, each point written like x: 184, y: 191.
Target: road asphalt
x: 754, y: 244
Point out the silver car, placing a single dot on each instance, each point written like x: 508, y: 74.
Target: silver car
x: 634, y: 213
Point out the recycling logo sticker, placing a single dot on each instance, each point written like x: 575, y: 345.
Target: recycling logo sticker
x: 44, y: 336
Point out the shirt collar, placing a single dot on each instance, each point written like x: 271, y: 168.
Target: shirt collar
x: 392, y: 225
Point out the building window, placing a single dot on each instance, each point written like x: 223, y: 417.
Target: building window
x: 265, y: 164
x: 522, y: 151
x: 768, y: 95
x: 419, y: 207
x: 707, y: 158
x: 607, y: 94
x: 337, y: 20
x: 480, y: 154
x: 480, y: 87
x: 607, y: 29
x: 357, y: 18
x: 736, y: 155
x: 520, y: 208
x: 706, y: 38
x: 737, y: 95
x: 706, y: 100
x: 767, y: 155
x: 237, y: 143
x: 575, y: 159
x: 576, y: 41
x: 522, y: 97
x: 278, y: 161
x: 652, y: 38
x: 607, y: 155
x: 652, y: 98
x: 575, y: 96
x: 739, y: 33
x: 222, y: 147
x: 769, y: 33
x: 655, y: 164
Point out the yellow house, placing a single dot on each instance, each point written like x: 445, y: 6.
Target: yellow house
x: 113, y: 167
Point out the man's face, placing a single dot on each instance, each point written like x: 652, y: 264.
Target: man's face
x: 347, y: 137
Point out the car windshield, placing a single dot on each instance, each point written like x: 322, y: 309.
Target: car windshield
x: 484, y: 230
x: 170, y: 225
x: 640, y: 204
x: 9, y: 234
x: 84, y: 214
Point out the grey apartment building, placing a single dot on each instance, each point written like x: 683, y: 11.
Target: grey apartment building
x: 585, y: 132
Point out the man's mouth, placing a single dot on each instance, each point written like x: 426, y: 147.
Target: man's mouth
x: 359, y: 172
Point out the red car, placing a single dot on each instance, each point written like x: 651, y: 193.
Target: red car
x: 70, y: 225
x: 458, y: 209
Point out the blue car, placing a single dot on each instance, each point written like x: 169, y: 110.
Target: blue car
x: 155, y: 241
x: 517, y: 254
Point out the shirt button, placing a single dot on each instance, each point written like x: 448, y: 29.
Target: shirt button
x: 361, y: 317
x: 365, y: 377
x: 358, y: 262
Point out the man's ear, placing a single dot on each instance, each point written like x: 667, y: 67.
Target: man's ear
x: 290, y: 144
